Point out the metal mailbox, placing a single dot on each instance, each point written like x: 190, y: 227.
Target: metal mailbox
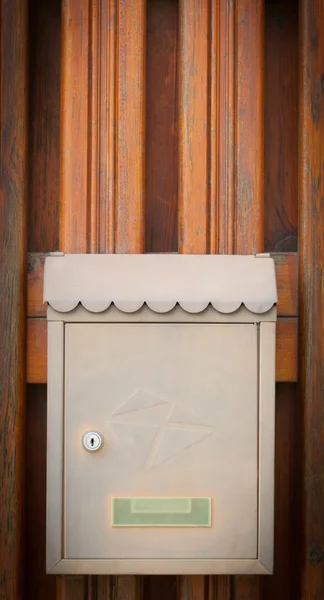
x: 161, y: 396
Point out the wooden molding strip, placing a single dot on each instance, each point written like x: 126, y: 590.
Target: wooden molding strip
x: 37, y: 350
x: 286, y: 271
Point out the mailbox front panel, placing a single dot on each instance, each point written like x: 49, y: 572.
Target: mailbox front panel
x: 177, y: 475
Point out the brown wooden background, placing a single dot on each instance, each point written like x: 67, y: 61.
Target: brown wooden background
x: 162, y: 126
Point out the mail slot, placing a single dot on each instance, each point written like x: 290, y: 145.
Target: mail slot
x: 161, y: 386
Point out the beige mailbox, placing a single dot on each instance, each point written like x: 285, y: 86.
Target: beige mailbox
x: 161, y: 398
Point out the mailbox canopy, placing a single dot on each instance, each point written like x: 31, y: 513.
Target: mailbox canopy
x: 161, y: 282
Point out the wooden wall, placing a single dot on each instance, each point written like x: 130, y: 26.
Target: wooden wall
x: 185, y: 139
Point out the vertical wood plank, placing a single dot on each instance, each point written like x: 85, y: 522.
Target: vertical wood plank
x: 311, y: 185
x: 38, y: 584
x: 161, y: 207
x: 13, y: 259
x: 130, y: 108
x: 106, y: 129
x: 162, y: 149
x: 88, y: 131
x: 249, y: 166
x: 78, y: 152
x: 193, y: 135
x: 283, y: 584
x: 159, y: 587
x: 72, y: 587
x: 249, y: 127
x: 128, y: 211
x: 194, y: 167
x: 281, y: 126
x: 222, y: 174
x: 126, y: 587
x: 74, y: 126
x: 44, y: 125
x: 222, y: 114
x: 192, y: 588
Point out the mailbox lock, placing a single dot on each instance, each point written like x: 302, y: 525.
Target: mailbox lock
x: 92, y: 441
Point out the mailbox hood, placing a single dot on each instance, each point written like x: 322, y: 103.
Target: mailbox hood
x: 161, y: 281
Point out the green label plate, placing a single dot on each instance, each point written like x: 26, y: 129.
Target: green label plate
x: 161, y: 512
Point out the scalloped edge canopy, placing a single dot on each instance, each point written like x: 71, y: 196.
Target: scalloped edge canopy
x: 161, y: 281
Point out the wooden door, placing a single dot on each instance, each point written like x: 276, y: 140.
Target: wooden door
x: 162, y: 126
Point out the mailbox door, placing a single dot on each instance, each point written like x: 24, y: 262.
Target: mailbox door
x: 177, y: 407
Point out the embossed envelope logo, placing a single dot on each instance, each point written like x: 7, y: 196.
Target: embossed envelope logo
x: 160, y: 429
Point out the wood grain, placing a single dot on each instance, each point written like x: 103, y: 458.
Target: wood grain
x: 13, y: 252
x: 249, y: 127
x: 35, y: 285
x: 103, y: 125
x: 44, y: 125
x: 75, y: 201
x: 105, y: 85
x: 36, y: 351
x: 73, y: 587
x: 88, y: 144
x: 286, y: 350
x: 193, y: 132
x: 130, y: 176
x: 162, y: 106
x: 192, y: 588
x: 311, y: 266
x: 222, y: 127
x: 281, y: 126
x: 287, y: 282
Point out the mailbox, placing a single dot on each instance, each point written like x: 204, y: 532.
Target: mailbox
x: 161, y: 401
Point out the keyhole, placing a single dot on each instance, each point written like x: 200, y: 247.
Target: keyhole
x: 92, y: 441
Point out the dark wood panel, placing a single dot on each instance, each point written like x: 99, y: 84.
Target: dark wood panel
x: 13, y: 255
x: 283, y: 585
x: 161, y: 167
x: 161, y: 193
x: 73, y: 587
x: 38, y: 585
x: 160, y: 587
x: 311, y: 231
x: 281, y: 125
x: 44, y: 125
